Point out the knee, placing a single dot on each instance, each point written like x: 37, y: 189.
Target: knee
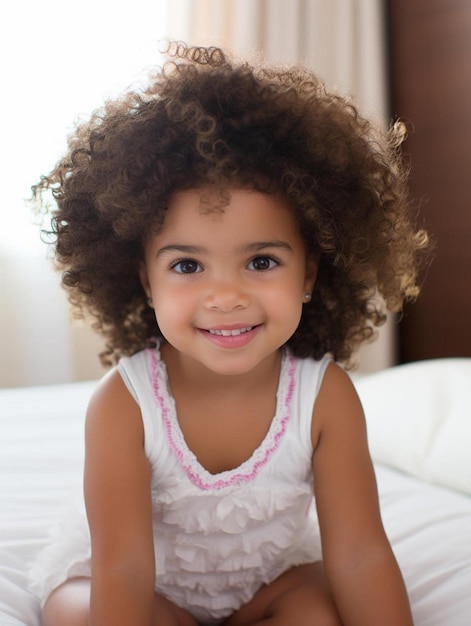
x: 57, y: 614
x: 304, y: 607
x: 327, y: 617
x: 68, y: 604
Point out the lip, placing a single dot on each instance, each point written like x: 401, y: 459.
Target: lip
x: 231, y: 341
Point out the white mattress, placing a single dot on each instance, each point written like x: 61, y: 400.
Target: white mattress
x: 41, y: 452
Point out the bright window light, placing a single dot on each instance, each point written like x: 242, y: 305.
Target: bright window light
x: 59, y: 62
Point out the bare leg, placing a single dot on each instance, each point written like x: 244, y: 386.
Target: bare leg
x: 300, y: 596
x: 69, y: 604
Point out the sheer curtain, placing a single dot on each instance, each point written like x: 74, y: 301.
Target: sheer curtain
x: 343, y: 40
x: 59, y: 65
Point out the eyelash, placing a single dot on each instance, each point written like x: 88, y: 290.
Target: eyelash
x: 273, y: 262
x: 180, y: 262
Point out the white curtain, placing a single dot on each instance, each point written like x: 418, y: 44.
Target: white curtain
x: 100, y: 54
x: 342, y: 40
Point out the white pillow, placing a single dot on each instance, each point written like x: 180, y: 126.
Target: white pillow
x: 419, y: 419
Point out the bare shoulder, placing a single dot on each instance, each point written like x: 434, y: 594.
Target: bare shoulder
x: 337, y: 405
x: 111, y: 405
x: 111, y: 392
x: 114, y: 432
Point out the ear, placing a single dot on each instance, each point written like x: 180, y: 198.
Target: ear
x: 310, y: 276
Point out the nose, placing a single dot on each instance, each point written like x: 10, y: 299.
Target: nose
x: 227, y: 295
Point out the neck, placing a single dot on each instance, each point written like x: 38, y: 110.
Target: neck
x: 187, y: 373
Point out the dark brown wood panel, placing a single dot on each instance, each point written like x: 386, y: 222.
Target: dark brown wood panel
x: 430, y: 59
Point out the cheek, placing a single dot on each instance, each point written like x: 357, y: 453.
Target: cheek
x: 292, y: 287
x: 286, y: 302
x: 172, y: 306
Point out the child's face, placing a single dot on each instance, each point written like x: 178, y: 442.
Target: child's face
x: 228, y: 287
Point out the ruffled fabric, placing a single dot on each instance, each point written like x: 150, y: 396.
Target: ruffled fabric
x: 215, y: 560
x: 233, y: 534
x: 68, y: 555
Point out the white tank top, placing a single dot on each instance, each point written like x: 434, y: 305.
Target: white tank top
x: 219, y: 537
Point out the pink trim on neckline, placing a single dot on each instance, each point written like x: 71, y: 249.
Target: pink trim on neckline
x: 249, y: 469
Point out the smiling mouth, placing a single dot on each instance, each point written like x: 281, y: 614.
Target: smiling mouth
x: 230, y: 333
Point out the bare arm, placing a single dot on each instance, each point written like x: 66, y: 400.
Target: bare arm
x: 361, y: 568
x: 117, y: 495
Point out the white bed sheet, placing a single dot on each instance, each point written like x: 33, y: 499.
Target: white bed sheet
x: 41, y: 455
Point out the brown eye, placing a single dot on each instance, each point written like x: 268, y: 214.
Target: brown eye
x: 186, y: 266
x: 262, y: 263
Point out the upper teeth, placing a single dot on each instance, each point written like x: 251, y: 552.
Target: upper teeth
x: 230, y: 333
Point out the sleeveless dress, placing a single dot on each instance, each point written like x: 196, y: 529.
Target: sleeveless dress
x: 218, y: 537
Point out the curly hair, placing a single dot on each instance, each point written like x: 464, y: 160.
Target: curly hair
x: 206, y: 120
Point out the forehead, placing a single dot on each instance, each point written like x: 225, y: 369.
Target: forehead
x: 235, y: 211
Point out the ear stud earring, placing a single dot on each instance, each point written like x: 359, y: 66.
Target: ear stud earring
x: 307, y: 297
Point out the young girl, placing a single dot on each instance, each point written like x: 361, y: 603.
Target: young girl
x: 234, y: 231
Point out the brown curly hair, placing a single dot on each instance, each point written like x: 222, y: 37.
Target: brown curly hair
x: 205, y: 119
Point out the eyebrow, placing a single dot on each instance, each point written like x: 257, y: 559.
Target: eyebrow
x: 184, y: 249
x: 259, y: 246
x: 256, y: 246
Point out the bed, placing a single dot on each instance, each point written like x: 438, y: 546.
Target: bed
x: 419, y: 424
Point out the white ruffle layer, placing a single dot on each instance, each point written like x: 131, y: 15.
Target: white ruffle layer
x: 216, y: 550
x: 201, y: 551
x: 67, y: 556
